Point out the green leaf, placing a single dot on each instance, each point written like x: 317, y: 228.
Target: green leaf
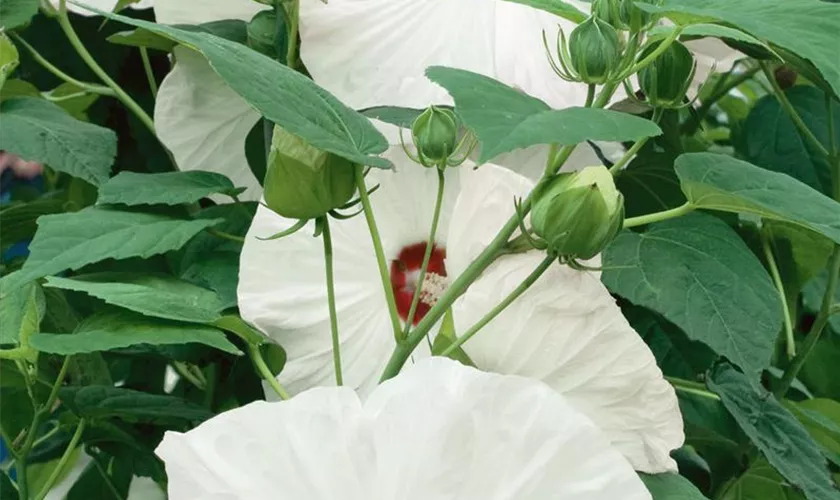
x: 72, y: 240
x: 805, y: 27
x: 282, y: 95
x: 800, y: 254
x: 446, y: 337
x: 73, y: 99
x: 98, y: 402
x: 775, y: 431
x: 16, y: 13
x: 7, y: 487
x: 168, y: 188
x: 22, y: 310
x: 812, y: 298
x: 699, y: 275
x: 401, y: 117
x: 771, y: 140
x: 556, y: 7
x: 255, y: 150
x: 670, y: 487
x: 720, y: 182
x: 116, y: 330
x: 8, y: 58
x: 760, y: 482
x: 516, y: 120
x: 38, y: 130
x: 649, y: 184
x: 243, y: 330
x: 234, y: 30
x: 706, y: 30
x: 821, y: 417
x: 155, y: 295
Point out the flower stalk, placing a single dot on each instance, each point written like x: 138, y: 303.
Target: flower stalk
x: 328, y: 267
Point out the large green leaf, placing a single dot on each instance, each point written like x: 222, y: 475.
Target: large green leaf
x: 771, y: 140
x: 15, y: 13
x: 282, y: 95
x: 230, y: 29
x: 96, y: 402
x: 800, y: 254
x: 805, y: 27
x: 720, y: 182
x: 649, y: 184
x: 160, y: 296
x: 38, y: 130
x: 556, y: 7
x: 760, y: 482
x: 671, y: 487
x: 699, y: 275
x: 775, y: 431
x: 72, y: 240
x: 515, y: 120
x: 821, y: 417
x: 22, y: 310
x: 168, y: 188
x: 116, y: 330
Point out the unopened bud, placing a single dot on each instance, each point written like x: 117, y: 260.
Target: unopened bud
x: 666, y: 80
x: 262, y: 33
x: 594, y: 50
x: 435, y: 134
x: 303, y: 182
x: 578, y: 213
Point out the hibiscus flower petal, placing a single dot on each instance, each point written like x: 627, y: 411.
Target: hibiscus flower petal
x: 437, y: 430
x: 282, y: 288
x: 566, y: 330
x: 106, y: 5
x: 204, y: 123
x: 204, y: 11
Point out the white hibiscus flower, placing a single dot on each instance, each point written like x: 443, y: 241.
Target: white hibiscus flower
x: 439, y: 430
x: 106, y: 5
x: 566, y: 330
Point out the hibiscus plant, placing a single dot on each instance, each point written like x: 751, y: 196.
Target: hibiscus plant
x: 420, y: 249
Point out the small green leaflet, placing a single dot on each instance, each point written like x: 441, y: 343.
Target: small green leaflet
x: 8, y: 58
x: 75, y: 239
x: 282, y: 95
x: 806, y: 27
x: 116, y: 330
x: 698, y: 273
x: 38, y: 130
x: 98, y: 402
x: 556, y: 7
x: 670, y: 487
x: 16, y: 13
x: 775, y: 431
x: 229, y: 29
x: 160, y: 296
x: 720, y: 182
x: 516, y: 120
x: 168, y: 188
x: 22, y: 310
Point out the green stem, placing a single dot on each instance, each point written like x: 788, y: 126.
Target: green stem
x: 616, y: 168
x: 427, y: 256
x: 183, y: 370
x: 658, y: 51
x: 816, y: 329
x: 147, y: 68
x: 62, y: 462
x: 590, y: 95
x: 266, y: 374
x: 76, y: 43
x: 107, y: 478
x: 659, y: 216
x: 384, y: 273
x: 501, y: 306
x: 293, y: 18
x: 225, y: 236
x: 88, y: 87
x: 694, y: 388
x: 792, y: 113
x: 777, y: 280
x: 328, y: 266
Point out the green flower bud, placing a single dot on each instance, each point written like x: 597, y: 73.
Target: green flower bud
x: 578, y: 213
x: 666, y: 80
x: 262, y: 33
x: 435, y: 134
x: 302, y: 182
x: 595, y: 50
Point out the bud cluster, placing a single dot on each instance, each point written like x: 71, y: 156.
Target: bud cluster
x: 435, y: 136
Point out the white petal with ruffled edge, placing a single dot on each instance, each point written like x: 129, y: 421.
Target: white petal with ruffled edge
x: 204, y: 11
x: 204, y: 123
x: 106, y: 5
x: 437, y: 431
x: 282, y: 288
x: 566, y: 331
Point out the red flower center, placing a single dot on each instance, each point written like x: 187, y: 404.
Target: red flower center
x: 405, y: 273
